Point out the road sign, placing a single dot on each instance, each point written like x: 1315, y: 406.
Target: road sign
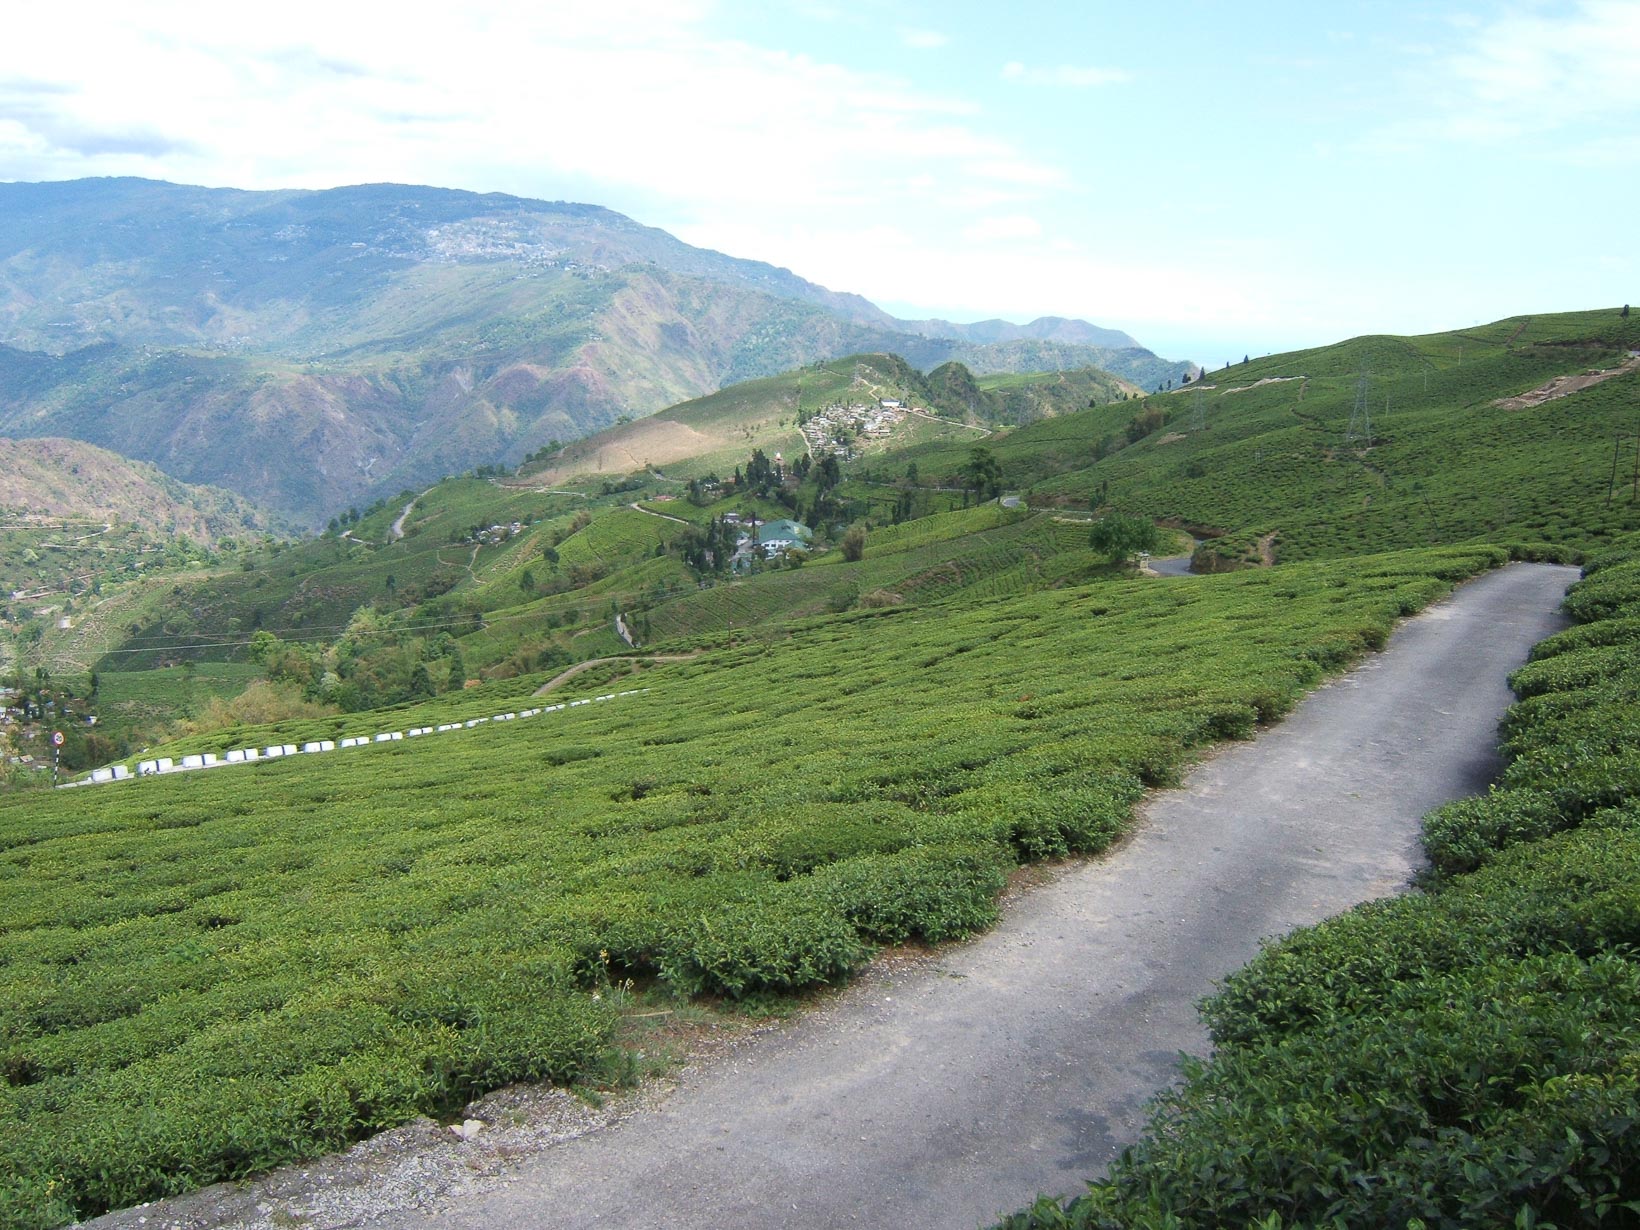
x: 56, y: 738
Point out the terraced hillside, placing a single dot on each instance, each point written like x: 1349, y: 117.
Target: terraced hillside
x: 274, y: 959
x: 853, y: 747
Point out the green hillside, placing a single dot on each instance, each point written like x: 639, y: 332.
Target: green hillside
x: 272, y: 960
x: 804, y: 756
x: 1266, y: 448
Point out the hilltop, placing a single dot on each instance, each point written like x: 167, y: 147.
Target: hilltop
x: 715, y: 433
x: 350, y: 342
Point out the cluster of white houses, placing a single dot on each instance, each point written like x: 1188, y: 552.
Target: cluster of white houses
x: 825, y: 432
x: 275, y: 751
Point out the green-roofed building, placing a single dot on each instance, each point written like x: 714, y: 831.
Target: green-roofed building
x: 784, y: 534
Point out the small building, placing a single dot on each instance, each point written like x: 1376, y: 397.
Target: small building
x: 769, y: 539
x: 784, y: 535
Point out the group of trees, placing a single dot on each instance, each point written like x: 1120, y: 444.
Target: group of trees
x: 982, y: 473
x: 378, y: 660
x: 706, y: 550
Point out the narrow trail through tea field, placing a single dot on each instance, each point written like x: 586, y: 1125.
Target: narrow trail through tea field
x: 943, y: 1092
x: 564, y: 676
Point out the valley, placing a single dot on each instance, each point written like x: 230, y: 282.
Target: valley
x: 312, y: 350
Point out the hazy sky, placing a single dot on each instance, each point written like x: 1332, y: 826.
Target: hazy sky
x: 1216, y: 178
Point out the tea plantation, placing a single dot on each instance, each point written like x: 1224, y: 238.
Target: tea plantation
x: 1465, y: 1056
x: 1268, y: 448
x: 207, y: 974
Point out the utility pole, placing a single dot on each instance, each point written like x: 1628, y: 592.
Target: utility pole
x: 1361, y: 412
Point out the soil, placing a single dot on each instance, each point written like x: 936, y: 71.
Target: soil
x: 1564, y: 386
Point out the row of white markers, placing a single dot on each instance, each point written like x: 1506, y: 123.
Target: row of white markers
x: 249, y: 755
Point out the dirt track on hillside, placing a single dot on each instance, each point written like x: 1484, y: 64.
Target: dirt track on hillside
x: 1565, y: 386
x: 942, y: 1092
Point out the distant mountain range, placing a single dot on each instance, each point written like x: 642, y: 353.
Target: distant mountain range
x: 315, y: 349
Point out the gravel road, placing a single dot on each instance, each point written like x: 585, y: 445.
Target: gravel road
x: 942, y: 1093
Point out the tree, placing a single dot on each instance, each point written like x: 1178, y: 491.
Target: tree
x: 830, y: 472
x: 854, y: 543
x: 983, y: 473
x: 1120, y: 537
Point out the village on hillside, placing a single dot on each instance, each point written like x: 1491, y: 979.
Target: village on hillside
x: 840, y: 429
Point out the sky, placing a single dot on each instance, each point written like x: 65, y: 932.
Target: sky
x: 1215, y: 178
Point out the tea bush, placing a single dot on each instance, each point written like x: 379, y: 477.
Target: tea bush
x: 1465, y: 1056
x: 205, y: 974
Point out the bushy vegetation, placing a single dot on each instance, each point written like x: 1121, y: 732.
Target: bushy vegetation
x: 1464, y: 1056
x: 208, y: 974
x: 1268, y: 447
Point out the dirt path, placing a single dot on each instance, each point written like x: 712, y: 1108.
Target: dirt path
x: 943, y: 1092
x: 396, y: 530
x: 934, y: 418
x: 663, y: 516
x: 565, y: 675
x: 1564, y: 386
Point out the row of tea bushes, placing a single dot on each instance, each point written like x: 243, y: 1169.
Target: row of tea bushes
x: 204, y: 974
x: 1465, y: 1056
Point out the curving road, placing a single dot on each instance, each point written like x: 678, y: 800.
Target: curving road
x: 945, y: 1092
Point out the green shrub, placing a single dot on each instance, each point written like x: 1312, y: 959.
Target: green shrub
x: 1578, y: 891
x: 1500, y: 1091
x: 927, y: 893
x: 1587, y: 636
x: 1465, y: 834
x: 1079, y: 813
x: 771, y: 944
x: 1544, y: 553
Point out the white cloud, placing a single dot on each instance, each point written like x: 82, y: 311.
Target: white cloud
x: 1015, y: 226
x: 1064, y: 75
x: 924, y: 40
x: 1561, y: 68
x: 1566, y: 72
x: 634, y: 99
